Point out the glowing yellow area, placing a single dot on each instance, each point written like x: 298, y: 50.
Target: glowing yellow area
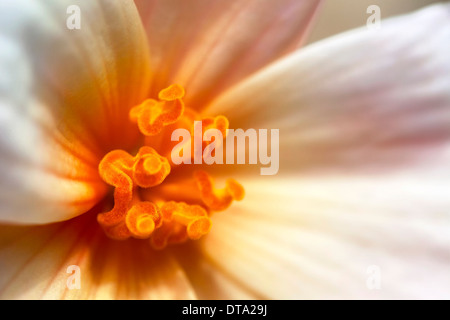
x: 161, y: 220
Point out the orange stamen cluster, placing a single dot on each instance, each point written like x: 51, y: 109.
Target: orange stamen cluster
x: 161, y: 220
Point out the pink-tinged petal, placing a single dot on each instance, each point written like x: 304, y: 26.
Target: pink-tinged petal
x: 366, y: 99
x: 64, y: 101
x: 206, y: 46
x: 338, y: 237
x: 48, y: 262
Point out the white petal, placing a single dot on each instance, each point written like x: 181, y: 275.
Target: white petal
x: 318, y: 237
x: 367, y: 98
x: 64, y: 99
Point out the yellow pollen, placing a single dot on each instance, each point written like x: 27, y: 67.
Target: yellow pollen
x: 155, y: 217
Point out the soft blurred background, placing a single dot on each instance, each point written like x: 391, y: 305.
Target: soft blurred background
x: 341, y: 15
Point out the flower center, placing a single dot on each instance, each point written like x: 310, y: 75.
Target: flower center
x: 145, y: 212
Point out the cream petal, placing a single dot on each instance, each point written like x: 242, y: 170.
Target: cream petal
x: 64, y: 99
x: 366, y: 98
x: 207, y: 46
x: 208, y: 279
x: 322, y: 237
x: 37, y: 263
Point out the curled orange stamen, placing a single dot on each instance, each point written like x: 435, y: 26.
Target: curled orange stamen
x: 142, y: 219
x: 220, y: 123
x: 129, y: 216
x: 171, y: 93
x: 152, y: 116
x: 150, y: 169
x: 218, y: 199
x: 115, y: 169
x: 181, y: 222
